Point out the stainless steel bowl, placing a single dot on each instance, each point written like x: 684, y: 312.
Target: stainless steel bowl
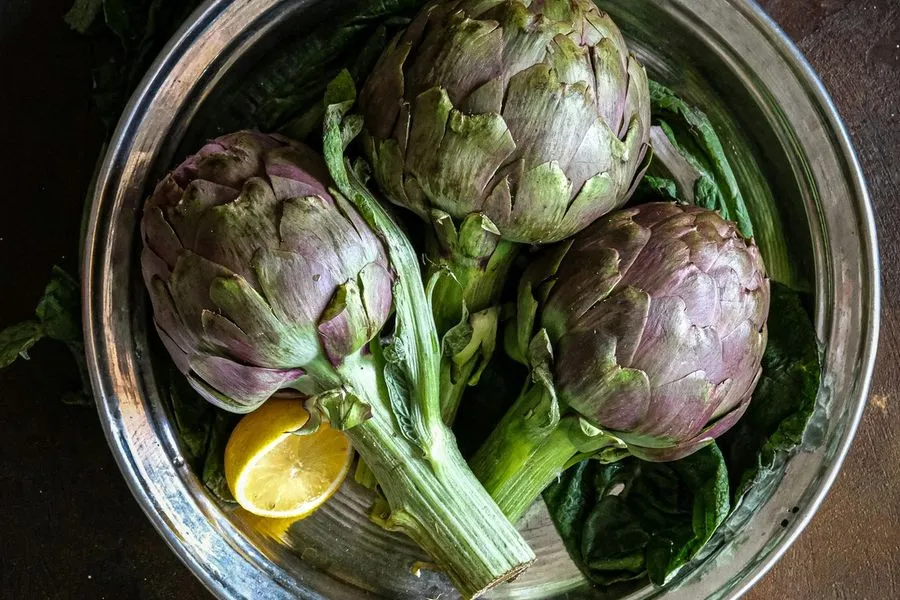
x: 780, y: 124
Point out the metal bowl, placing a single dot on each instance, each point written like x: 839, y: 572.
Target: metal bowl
x: 727, y: 56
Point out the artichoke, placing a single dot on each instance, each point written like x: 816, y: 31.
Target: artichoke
x: 503, y: 122
x: 254, y: 268
x: 651, y: 326
x: 261, y: 278
x: 530, y: 113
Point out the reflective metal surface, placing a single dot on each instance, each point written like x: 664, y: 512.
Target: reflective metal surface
x: 781, y: 126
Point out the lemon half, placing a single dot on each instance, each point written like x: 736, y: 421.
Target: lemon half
x: 274, y: 473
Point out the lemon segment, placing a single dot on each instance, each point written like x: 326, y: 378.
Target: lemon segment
x: 274, y: 473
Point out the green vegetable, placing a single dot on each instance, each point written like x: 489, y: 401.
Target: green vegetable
x: 284, y: 89
x: 502, y: 123
x: 213, y: 473
x: 785, y: 397
x: 203, y: 430
x: 633, y: 518
x: 468, y: 541
x: 665, y: 512
x: 690, y: 165
x: 644, y: 335
x: 694, y: 158
x: 57, y: 317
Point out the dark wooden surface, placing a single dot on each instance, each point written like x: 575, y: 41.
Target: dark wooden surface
x: 69, y: 527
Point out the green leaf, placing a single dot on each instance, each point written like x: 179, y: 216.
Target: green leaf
x: 59, y: 310
x: 203, y: 430
x: 628, y: 520
x: 192, y: 417
x: 58, y: 317
x: 785, y: 397
x: 16, y: 340
x: 343, y: 409
x: 655, y: 188
x: 471, y: 343
x: 713, y: 166
x: 213, y: 475
x: 699, y: 145
x: 399, y: 389
x: 83, y: 14
x: 128, y: 38
x: 284, y: 90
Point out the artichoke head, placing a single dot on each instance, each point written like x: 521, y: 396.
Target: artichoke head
x: 531, y: 113
x: 657, y: 317
x: 256, y: 270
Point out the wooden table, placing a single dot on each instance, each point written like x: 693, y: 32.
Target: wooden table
x: 69, y: 527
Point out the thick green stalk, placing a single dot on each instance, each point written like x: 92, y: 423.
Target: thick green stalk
x: 446, y: 511
x: 532, y: 445
x: 519, y: 460
x: 432, y: 495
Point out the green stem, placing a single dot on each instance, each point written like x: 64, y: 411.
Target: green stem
x: 454, y: 381
x: 531, y: 446
x: 445, y: 510
x: 433, y: 496
x: 477, y: 281
x: 518, y: 460
x: 364, y: 476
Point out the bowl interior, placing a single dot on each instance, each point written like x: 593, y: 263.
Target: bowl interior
x: 785, y: 143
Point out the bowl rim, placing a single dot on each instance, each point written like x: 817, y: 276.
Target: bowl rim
x: 801, y: 65
x: 95, y: 258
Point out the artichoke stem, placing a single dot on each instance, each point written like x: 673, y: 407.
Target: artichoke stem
x: 454, y: 382
x: 445, y: 511
x: 364, y: 476
x: 477, y: 281
x: 515, y: 467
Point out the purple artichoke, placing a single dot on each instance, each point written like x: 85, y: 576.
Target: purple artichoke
x: 658, y: 317
x: 652, y: 327
x: 255, y: 270
x: 531, y: 113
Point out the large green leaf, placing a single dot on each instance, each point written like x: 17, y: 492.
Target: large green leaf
x: 284, y: 89
x: 785, y: 397
x: 129, y: 34
x: 16, y: 340
x: 689, y: 130
x: 204, y: 431
x: 630, y: 519
x: 59, y: 309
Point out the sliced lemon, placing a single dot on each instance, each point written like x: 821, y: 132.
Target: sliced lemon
x: 274, y: 473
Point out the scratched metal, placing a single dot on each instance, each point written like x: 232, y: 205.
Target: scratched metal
x: 781, y: 125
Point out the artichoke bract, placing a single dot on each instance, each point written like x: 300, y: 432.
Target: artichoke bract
x: 255, y: 270
x: 645, y: 335
x: 503, y: 122
x: 261, y: 278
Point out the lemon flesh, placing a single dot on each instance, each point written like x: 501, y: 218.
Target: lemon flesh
x: 274, y: 473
